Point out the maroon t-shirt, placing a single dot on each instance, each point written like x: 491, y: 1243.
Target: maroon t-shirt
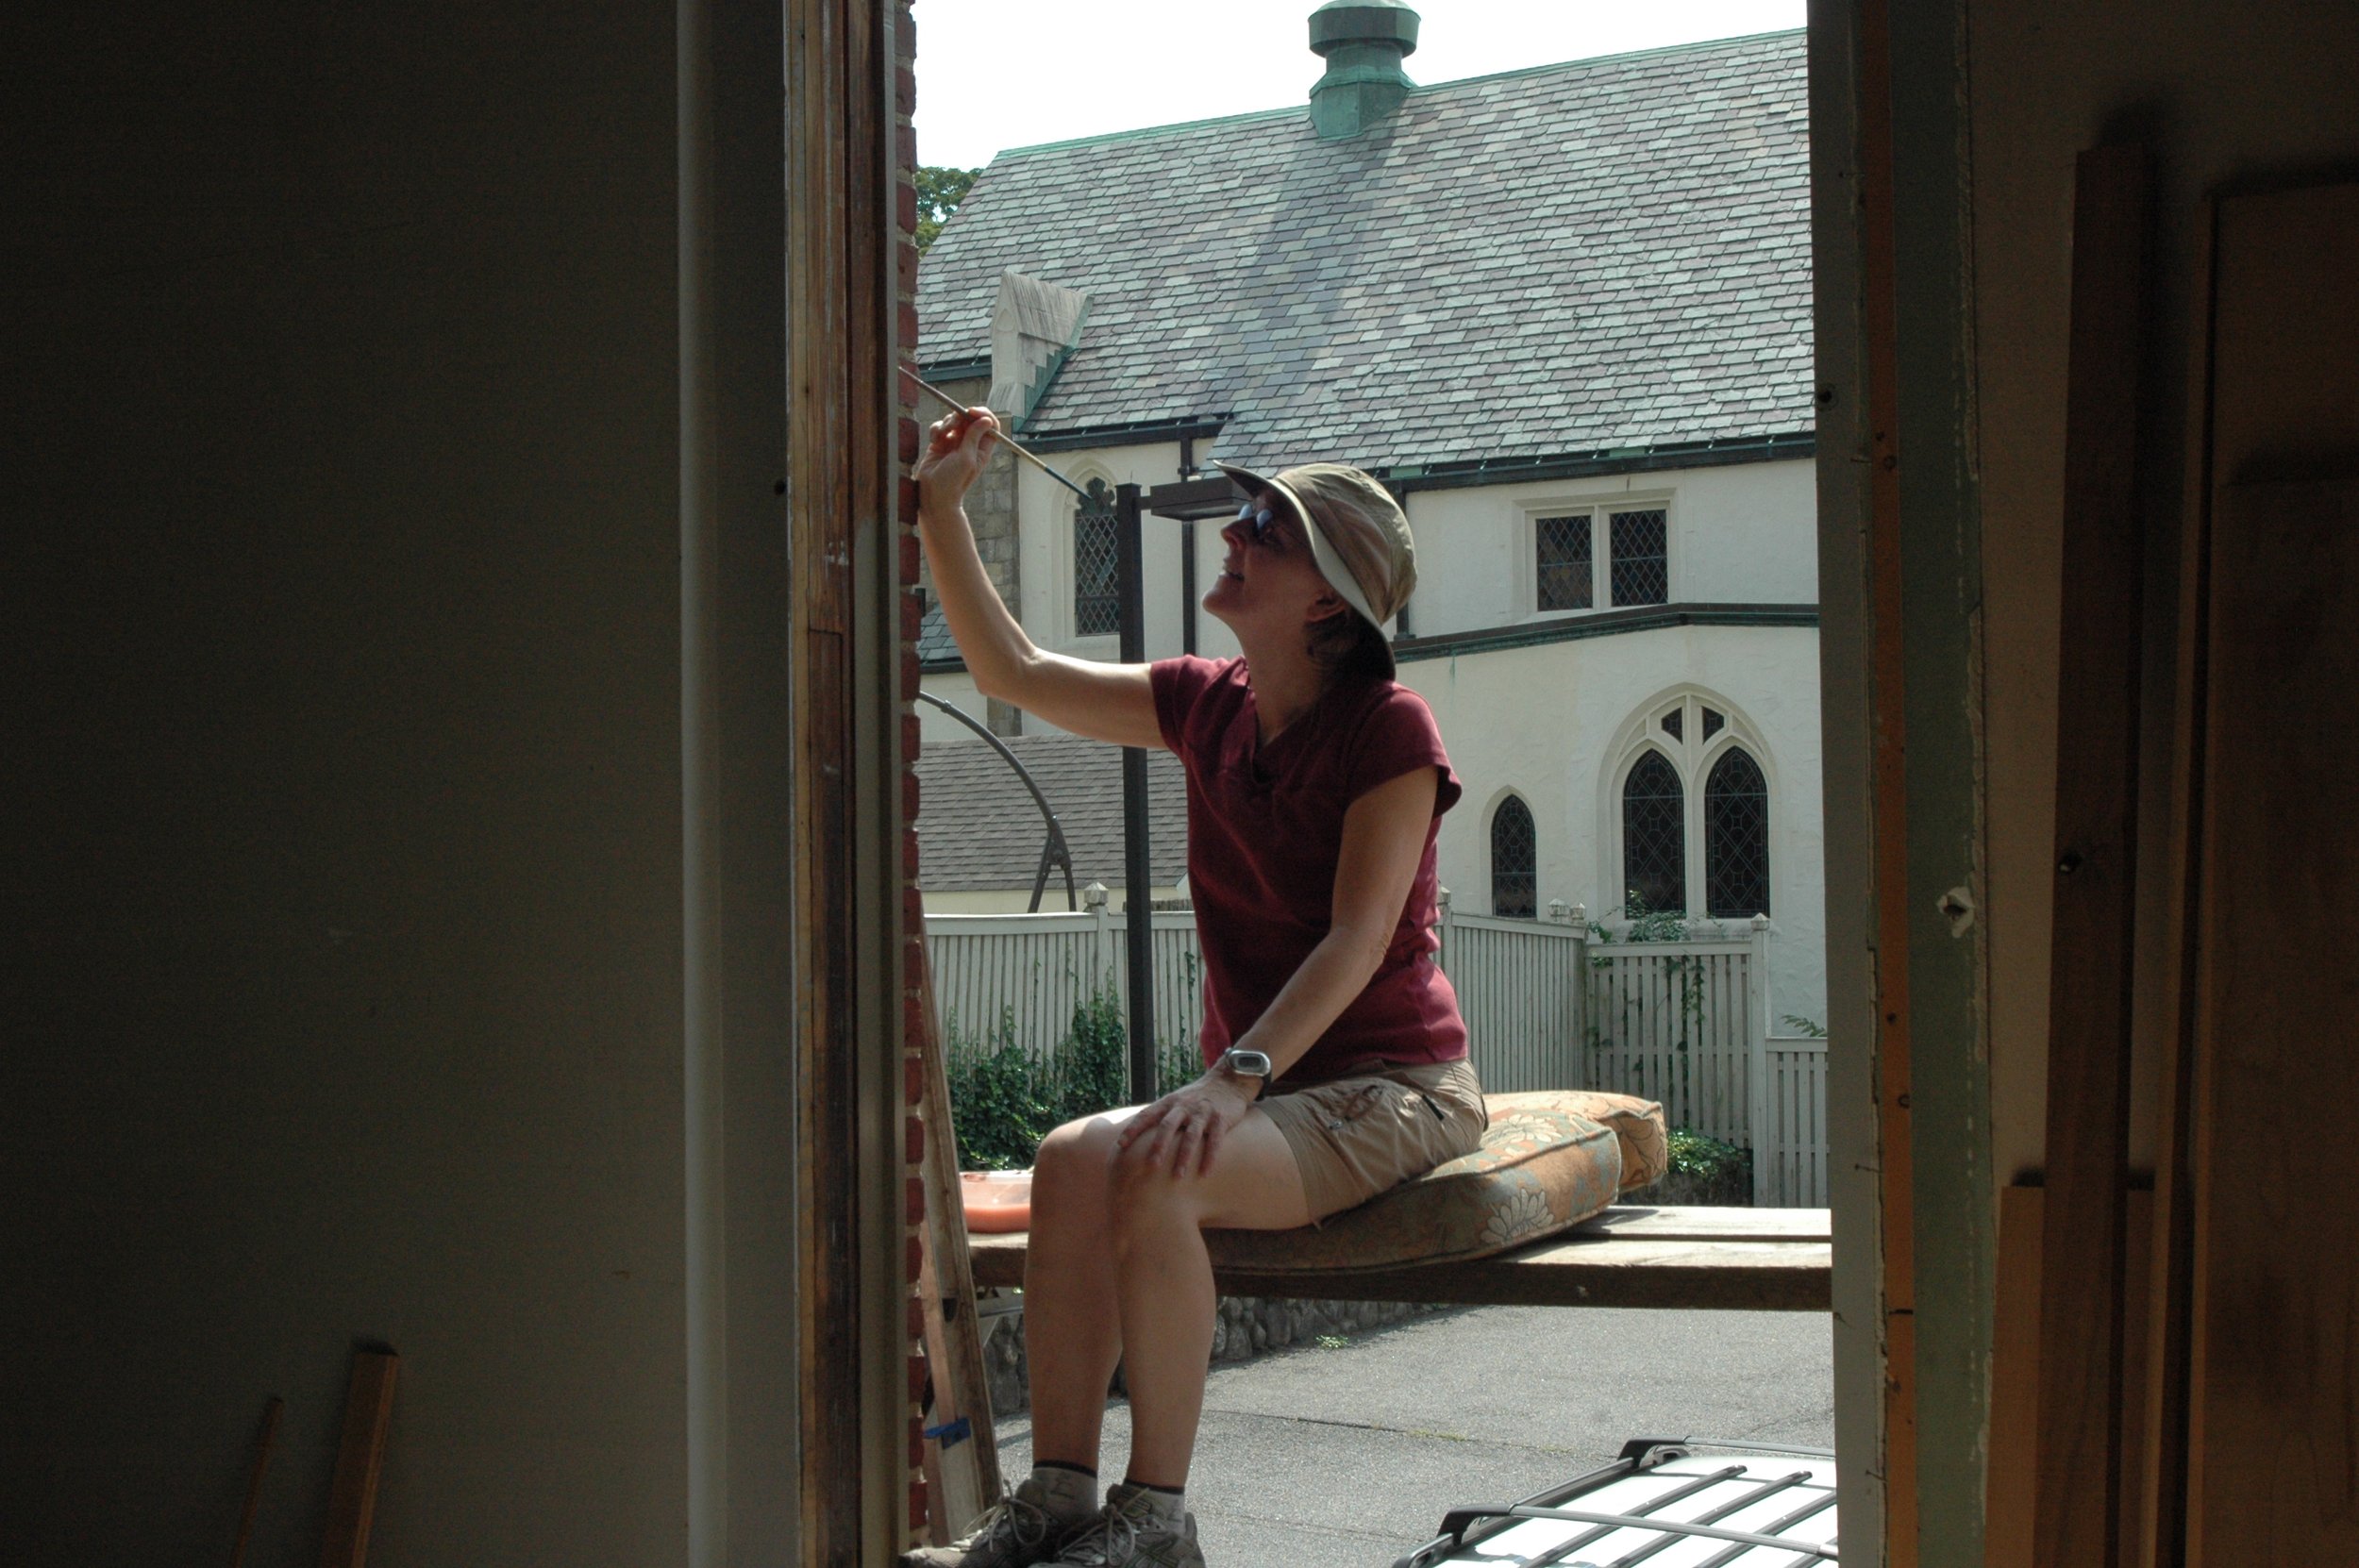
x: 1266, y: 829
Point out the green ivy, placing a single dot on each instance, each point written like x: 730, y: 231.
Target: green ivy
x: 1005, y: 1097
x: 1708, y: 1159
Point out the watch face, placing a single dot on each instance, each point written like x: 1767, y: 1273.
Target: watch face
x: 1251, y: 1064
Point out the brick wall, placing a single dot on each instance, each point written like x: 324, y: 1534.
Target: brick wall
x: 913, y: 938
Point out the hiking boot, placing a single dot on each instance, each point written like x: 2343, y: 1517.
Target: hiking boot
x: 1134, y: 1531
x: 1014, y: 1532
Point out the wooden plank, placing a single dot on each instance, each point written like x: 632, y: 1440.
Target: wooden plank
x: 2014, y: 1477
x: 2160, y: 1529
x: 2077, y: 1502
x: 360, y: 1459
x: 1895, y: 1148
x: 262, y: 1449
x: 1698, y: 1222
x: 1601, y: 1271
x: 968, y: 1468
x: 2273, y: 1416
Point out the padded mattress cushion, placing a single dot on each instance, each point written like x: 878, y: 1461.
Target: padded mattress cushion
x: 1547, y: 1162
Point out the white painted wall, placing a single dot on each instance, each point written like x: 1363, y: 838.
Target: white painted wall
x: 1740, y: 534
x: 1543, y: 722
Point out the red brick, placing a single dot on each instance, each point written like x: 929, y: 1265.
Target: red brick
x: 912, y: 616
x: 905, y: 213
x: 906, y: 315
x: 909, y: 795
x: 912, y: 907
x: 917, y: 1458
x: 911, y: 556
x: 918, y: 1517
x: 916, y: 1320
x: 912, y: 1260
x: 905, y: 146
x: 910, y: 686
x: 917, y: 1379
x: 912, y: 734
x: 909, y: 440
x: 911, y: 857
x: 912, y: 1082
x: 916, y: 1200
x: 905, y: 91
x: 913, y: 965
x: 905, y: 267
x: 913, y: 1140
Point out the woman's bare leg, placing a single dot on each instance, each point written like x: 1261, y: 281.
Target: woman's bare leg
x: 1163, y: 1277
x: 1071, y: 1331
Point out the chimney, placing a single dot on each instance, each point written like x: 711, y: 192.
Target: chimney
x: 1363, y: 43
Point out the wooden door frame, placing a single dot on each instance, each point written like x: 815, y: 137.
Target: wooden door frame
x: 851, y: 561
x: 1901, y: 592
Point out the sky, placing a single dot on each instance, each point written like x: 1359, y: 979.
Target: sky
x: 998, y: 73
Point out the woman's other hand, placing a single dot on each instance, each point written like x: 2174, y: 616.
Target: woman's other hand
x: 957, y: 447
x: 1184, y: 1128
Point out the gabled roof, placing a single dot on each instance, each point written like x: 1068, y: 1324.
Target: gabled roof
x: 979, y: 830
x: 1600, y: 254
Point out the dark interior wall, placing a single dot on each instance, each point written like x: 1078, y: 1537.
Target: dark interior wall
x: 2225, y: 96
x: 344, y: 776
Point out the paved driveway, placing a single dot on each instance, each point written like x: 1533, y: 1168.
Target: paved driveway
x: 1346, y: 1458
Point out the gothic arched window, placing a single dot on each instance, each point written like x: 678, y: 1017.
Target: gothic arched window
x: 1514, y: 861
x: 1097, y: 596
x: 1654, y: 836
x: 1736, y: 838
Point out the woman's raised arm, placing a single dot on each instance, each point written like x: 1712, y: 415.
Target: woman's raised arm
x: 1106, y: 702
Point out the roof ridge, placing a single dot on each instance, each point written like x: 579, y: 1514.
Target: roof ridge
x: 1419, y: 90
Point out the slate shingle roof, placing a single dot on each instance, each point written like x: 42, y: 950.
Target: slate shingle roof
x: 1609, y: 253
x: 979, y: 830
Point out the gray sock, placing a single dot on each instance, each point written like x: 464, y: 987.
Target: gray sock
x: 1167, y: 1509
x: 1069, y: 1496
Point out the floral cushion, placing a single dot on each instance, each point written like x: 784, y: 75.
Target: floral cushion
x: 1544, y: 1164
x: 1637, y: 1124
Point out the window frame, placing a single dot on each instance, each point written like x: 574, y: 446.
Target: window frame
x: 1491, y: 847
x: 1693, y: 757
x: 1599, y: 509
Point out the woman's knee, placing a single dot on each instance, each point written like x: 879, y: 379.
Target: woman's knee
x: 1073, y: 1160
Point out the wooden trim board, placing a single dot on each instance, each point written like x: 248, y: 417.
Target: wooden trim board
x: 360, y: 1459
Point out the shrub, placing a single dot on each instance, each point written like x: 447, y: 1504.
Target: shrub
x: 1005, y: 1097
x: 1707, y: 1158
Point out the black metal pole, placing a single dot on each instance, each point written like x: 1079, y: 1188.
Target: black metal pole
x: 1139, y: 894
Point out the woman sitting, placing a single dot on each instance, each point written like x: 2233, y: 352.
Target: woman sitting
x: 1335, y: 1058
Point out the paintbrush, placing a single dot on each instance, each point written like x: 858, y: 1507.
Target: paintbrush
x: 956, y: 406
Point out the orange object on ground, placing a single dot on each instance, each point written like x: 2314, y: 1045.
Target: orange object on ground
x: 996, y: 1200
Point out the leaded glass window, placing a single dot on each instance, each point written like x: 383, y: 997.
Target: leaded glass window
x: 1736, y: 838
x: 1654, y: 836
x: 1674, y: 722
x: 1641, y: 565
x: 1514, y: 861
x: 1097, y: 596
x: 1713, y: 720
x: 1564, y: 552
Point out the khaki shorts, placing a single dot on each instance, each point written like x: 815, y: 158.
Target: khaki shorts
x: 1354, y: 1137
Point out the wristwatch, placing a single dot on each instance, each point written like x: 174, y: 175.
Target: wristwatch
x: 1246, y: 1065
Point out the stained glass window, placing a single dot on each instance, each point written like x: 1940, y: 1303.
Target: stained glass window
x: 1674, y: 722
x: 1654, y: 836
x: 1641, y: 566
x: 1514, y: 861
x: 1564, y: 563
x: 1713, y: 721
x: 1097, y: 596
x: 1736, y: 838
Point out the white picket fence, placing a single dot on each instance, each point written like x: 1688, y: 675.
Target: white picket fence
x: 1683, y: 1023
